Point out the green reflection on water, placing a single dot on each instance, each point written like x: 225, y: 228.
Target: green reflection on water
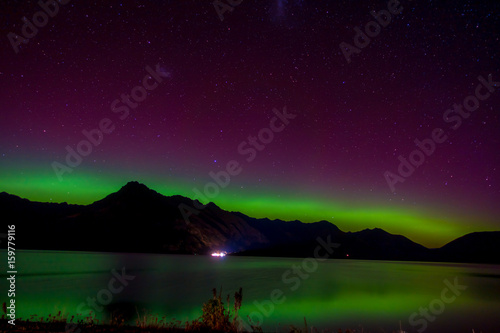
x: 337, y: 291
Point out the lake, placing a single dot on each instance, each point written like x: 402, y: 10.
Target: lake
x: 331, y: 294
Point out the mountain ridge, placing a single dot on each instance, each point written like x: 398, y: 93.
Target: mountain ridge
x: 139, y: 219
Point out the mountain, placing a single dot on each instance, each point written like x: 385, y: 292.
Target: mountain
x: 478, y: 247
x: 138, y: 219
x: 366, y: 244
x: 134, y: 219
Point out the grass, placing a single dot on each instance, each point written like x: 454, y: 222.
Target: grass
x: 217, y: 316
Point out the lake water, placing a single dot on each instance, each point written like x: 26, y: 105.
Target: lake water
x: 332, y: 294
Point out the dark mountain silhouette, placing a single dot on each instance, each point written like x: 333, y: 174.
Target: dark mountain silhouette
x: 365, y: 244
x: 473, y: 247
x: 138, y: 219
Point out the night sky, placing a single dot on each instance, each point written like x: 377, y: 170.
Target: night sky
x: 356, y: 109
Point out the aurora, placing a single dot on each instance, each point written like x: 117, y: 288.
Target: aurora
x: 207, y: 89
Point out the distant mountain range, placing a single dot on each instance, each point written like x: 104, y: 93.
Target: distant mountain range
x: 138, y: 219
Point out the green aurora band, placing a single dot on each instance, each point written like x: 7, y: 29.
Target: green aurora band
x: 430, y: 227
